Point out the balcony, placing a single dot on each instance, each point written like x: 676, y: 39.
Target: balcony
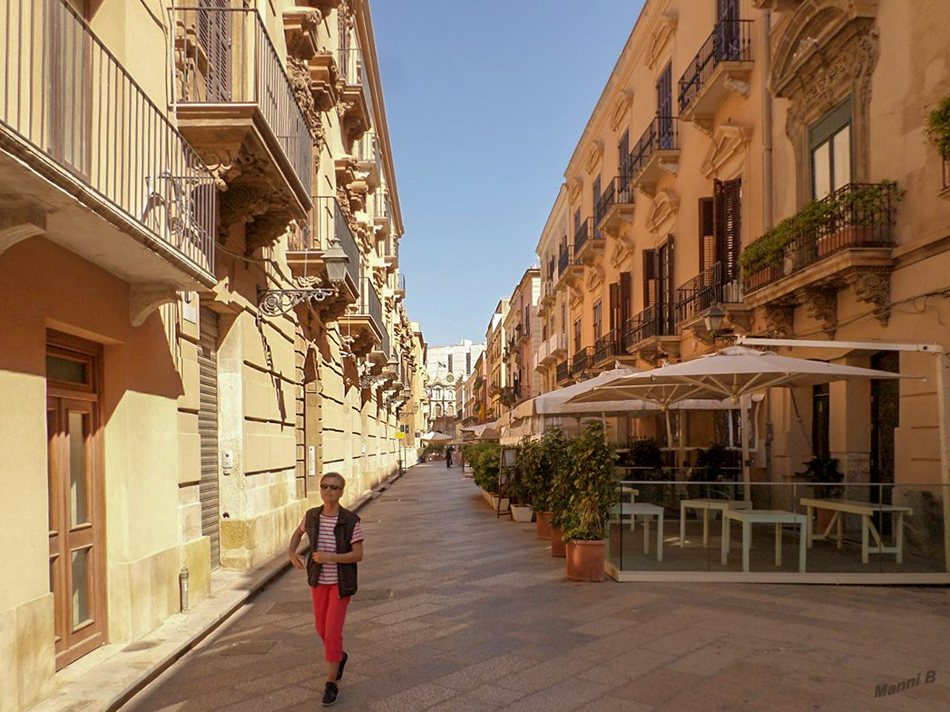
x: 89, y: 162
x: 563, y: 372
x: 722, y: 67
x: 357, y: 96
x: 708, y: 289
x: 581, y: 361
x: 236, y: 106
x: 400, y: 287
x: 569, y: 269
x: 616, y: 205
x: 651, y: 333
x: 588, y: 242
x: 548, y: 295
x: 312, y: 238
x: 363, y: 323
x: 543, y: 355
x: 606, y: 350
x: 558, y: 345
x: 369, y: 163
x: 840, y: 240
x: 655, y: 154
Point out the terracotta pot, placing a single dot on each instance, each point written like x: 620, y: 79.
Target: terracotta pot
x: 543, y: 526
x: 585, y: 560
x: 558, y: 547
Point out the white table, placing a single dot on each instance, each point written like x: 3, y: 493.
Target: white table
x: 865, y: 510
x: 647, y: 511
x: 705, y: 505
x: 748, y: 517
x: 615, y: 511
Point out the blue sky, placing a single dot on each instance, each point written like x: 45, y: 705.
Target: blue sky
x: 486, y: 100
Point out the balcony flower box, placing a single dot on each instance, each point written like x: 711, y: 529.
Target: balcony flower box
x: 764, y: 276
x: 846, y: 237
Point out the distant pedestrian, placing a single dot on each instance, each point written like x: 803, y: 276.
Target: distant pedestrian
x: 337, y: 545
x: 448, y: 456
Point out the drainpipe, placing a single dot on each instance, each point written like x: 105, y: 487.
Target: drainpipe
x: 767, y: 177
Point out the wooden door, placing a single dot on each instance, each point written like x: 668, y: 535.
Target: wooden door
x: 76, y: 545
x: 664, y: 108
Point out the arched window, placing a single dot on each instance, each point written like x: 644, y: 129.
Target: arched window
x: 438, y: 411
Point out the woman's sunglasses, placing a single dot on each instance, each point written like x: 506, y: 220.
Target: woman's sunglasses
x: 331, y: 487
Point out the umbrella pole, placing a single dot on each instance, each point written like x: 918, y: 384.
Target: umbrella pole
x: 943, y: 411
x: 744, y: 432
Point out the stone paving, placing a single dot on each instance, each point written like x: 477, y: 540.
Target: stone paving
x: 460, y: 611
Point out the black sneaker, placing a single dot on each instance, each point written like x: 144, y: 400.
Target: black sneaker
x: 330, y: 693
x: 339, y: 672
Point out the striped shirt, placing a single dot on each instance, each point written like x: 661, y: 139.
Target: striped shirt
x: 326, y: 541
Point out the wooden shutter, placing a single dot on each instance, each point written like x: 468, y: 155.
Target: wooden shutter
x: 624, y: 162
x: 731, y: 215
x: 614, y: 298
x: 707, y: 234
x: 626, y: 298
x: 214, y: 34
x: 649, y: 278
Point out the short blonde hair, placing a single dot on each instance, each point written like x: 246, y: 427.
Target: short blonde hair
x: 335, y: 475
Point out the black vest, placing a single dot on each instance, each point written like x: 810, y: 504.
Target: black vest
x: 343, y: 531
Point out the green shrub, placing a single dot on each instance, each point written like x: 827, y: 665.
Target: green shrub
x: 594, y: 489
x: 938, y: 128
x: 483, y: 458
x: 556, y: 463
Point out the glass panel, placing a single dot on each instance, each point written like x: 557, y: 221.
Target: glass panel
x: 66, y: 370
x: 821, y: 171
x: 80, y: 594
x: 842, y: 152
x: 77, y: 467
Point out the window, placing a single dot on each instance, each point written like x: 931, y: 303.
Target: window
x: 598, y: 321
x: 821, y: 420
x: 624, y: 150
x: 596, y: 191
x: 664, y: 108
x: 450, y: 364
x: 527, y: 319
x: 829, y: 142
x: 577, y: 335
x: 577, y: 220
x: 468, y: 363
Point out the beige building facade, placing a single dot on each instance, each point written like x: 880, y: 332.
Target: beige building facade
x: 204, y: 306
x: 523, y: 337
x: 496, y: 367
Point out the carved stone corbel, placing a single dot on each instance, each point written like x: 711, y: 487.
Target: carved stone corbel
x: 821, y: 304
x: 18, y: 224
x: 873, y: 288
x: 780, y: 320
x: 145, y: 300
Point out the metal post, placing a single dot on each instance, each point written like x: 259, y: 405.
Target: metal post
x: 744, y: 433
x: 943, y: 412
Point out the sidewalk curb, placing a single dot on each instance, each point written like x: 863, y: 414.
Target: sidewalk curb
x: 263, y: 578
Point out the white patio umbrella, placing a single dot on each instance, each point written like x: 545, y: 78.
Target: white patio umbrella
x: 436, y: 437
x: 484, y: 431
x: 734, y: 373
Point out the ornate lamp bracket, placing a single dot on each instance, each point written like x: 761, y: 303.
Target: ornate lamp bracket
x: 278, y: 302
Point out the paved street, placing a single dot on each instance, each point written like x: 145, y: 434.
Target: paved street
x: 459, y: 611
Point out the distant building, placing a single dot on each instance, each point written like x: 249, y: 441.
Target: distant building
x: 448, y: 367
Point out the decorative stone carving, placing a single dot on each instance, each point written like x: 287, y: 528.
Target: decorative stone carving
x: 18, y: 224
x: 595, y: 278
x: 145, y: 300
x: 821, y: 304
x: 780, y: 320
x: 665, y: 206
x: 728, y: 142
x: 661, y: 37
x: 300, y: 32
x: 620, y: 253
x: 594, y: 153
x: 623, y: 102
x: 828, y: 51
x: 873, y: 288
x: 575, y: 186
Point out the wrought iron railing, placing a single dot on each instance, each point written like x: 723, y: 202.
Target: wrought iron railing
x: 704, y: 291
x: 655, y: 320
x: 401, y: 283
x: 585, y: 233
x: 581, y: 360
x: 605, y: 348
x: 563, y: 371
x: 64, y: 93
x: 564, y: 259
x: 225, y: 56
x: 660, y: 135
x: 730, y: 41
x: 946, y: 173
x: 328, y: 223
x: 856, y: 215
x: 370, y: 305
x: 619, y: 191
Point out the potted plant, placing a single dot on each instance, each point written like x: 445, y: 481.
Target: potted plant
x: 594, y: 489
x: 825, y: 479
x: 518, y: 491
x: 558, y: 460
x: 938, y: 128
x: 710, y: 466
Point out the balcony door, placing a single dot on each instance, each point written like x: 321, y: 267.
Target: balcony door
x: 664, y: 107
x: 214, y: 35
x: 728, y: 44
x: 69, y: 53
x: 76, y: 544
x: 665, y: 301
x: 829, y: 142
x: 727, y: 216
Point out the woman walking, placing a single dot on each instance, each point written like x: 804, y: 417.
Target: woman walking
x: 337, y: 545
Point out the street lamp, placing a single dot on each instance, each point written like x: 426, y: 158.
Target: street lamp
x: 336, y: 261
x: 713, y: 319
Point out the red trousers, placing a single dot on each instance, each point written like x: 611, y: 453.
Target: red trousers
x: 329, y: 613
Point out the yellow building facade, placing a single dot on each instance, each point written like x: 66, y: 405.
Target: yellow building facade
x: 761, y: 168
x: 199, y: 257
